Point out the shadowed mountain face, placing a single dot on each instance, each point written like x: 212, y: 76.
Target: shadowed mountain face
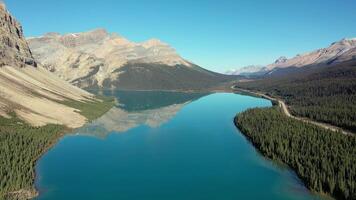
x: 155, y: 76
x: 136, y: 108
x: 98, y: 59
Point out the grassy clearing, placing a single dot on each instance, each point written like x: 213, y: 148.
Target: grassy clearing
x: 92, y: 109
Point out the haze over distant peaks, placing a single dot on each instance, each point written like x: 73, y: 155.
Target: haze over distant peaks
x: 340, y: 51
x: 322, y: 55
x: 245, y: 71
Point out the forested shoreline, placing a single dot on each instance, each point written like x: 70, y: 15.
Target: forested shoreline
x: 324, y: 160
x: 22, y: 144
x: 324, y: 94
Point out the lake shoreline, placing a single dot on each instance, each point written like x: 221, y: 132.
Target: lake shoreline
x: 279, y: 102
x: 137, y: 146
x: 268, y: 148
x: 102, y: 105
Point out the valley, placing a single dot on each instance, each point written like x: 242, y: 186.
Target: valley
x: 86, y: 113
x: 314, y: 115
x: 165, y: 148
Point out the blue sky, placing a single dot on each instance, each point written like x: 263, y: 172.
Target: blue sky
x: 215, y: 34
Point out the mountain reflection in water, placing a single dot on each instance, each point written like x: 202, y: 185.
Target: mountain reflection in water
x: 135, y: 108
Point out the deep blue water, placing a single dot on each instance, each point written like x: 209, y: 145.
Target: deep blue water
x: 162, y: 145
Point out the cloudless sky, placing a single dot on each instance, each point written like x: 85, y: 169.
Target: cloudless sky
x: 215, y: 34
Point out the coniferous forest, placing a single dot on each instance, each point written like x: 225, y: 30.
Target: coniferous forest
x: 22, y: 144
x: 325, y: 94
x: 324, y: 160
x: 20, y: 147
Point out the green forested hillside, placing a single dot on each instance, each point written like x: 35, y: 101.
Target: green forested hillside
x: 20, y: 147
x: 324, y: 160
x: 22, y: 144
x: 326, y: 94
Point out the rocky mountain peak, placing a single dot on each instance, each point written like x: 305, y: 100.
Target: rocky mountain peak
x: 78, y: 39
x: 52, y: 34
x: 346, y: 43
x: 99, y: 56
x: 95, y: 35
x: 152, y: 43
x: 2, y: 5
x: 281, y: 59
x: 14, y: 50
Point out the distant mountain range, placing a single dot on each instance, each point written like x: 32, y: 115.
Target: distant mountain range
x: 247, y: 70
x: 98, y: 59
x: 337, y: 52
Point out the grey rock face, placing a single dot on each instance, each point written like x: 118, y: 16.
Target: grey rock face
x: 14, y: 50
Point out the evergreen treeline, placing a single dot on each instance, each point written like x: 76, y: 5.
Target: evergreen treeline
x: 20, y: 146
x: 325, y: 94
x: 324, y: 160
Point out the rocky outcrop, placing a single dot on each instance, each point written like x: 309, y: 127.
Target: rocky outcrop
x: 31, y: 92
x: 281, y: 60
x: 98, y: 59
x: 14, y: 50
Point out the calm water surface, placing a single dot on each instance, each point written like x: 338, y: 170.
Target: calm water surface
x: 164, y: 145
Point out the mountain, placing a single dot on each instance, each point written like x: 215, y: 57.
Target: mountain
x: 327, y: 55
x: 36, y: 109
x: 98, y: 59
x: 247, y: 70
x: 338, y: 52
x: 14, y: 50
x: 27, y: 89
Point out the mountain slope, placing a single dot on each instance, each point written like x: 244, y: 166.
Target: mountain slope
x: 338, y: 52
x: 324, y: 93
x: 33, y: 93
x: 36, y: 109
x: 321, y: 56
x: 98, y: 59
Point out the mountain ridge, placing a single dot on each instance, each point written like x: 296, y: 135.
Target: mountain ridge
x: 337, y: 52
x: 99, y: 59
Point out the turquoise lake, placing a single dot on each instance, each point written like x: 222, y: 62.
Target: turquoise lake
x: 165, y: 146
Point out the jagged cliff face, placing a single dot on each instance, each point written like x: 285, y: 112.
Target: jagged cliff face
x: 28, y: 90
x: 98, y: 59
x: 14, y: 50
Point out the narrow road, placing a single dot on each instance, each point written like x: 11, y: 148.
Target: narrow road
x: 285, y: 110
